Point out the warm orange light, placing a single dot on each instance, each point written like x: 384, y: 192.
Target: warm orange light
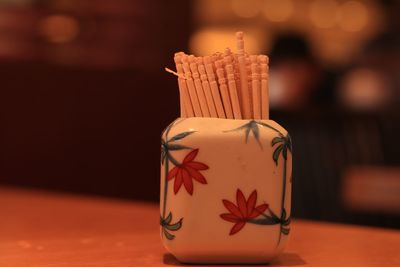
x: 59, y: 28
x: 209, y: 41
x: 353, y: 16
x: 278, y: 10
x: 246, y: 8
x: 324, y: 13
x: 364, y: 88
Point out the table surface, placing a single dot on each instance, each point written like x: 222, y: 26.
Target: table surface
x: 40, y: 228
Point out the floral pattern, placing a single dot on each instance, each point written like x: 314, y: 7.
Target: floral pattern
x: 183, y: 173
x: 186, y: 171
x: 167, y: 225
x: 283, y: 145
x: 243, y: 212
x: 250, y: 127
x: 246, y: 211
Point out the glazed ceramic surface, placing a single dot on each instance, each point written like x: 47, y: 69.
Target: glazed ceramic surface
x: 225, y: 190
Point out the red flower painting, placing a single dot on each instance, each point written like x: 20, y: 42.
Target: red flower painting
x: 186, y: 172
x: 243, y: 211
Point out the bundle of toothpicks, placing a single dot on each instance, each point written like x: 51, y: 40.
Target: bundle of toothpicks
x: 224, y: 85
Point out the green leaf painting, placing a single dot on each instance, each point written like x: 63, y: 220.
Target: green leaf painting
x: 167, y: 226
x: 282, y: 145
x: 188, y: 167
x: 180, y: 136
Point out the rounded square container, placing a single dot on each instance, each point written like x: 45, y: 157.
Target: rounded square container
x: 225, y: 190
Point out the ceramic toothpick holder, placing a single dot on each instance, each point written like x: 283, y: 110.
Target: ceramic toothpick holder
x: 225, y: 190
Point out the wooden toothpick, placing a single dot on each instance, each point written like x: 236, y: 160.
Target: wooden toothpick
x: 191, y: 87
x: 256, y: 88
x: 263, y: 60
x: 223, y: 89
x: 237, y: 73
x: 214, y: 87
x: 250, y: 85
x: 232, y: 87
x: 223, y: 85
x: 199, y: 87
x: 206, y: 88
x: 186, y: 105
x: 244, y: 87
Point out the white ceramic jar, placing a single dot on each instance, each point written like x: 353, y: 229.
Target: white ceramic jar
x: 225, y: 190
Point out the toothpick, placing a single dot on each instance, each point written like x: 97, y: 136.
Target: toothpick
x: 236, y: 72
x: 256, y: 88
x: 191, y: 87
x: 185, y: 108
x: 224, y: 89
x: 214, y: 87
x: 224, y: 85
x: 263, y: 60
x: 199, y: 87
x: 231, y: 58
x: 250, y: 85
x: 206, y: 88
x: 244, y: 87
x: 174, y: 73
x: 232, y: 87
x: 186, y: 105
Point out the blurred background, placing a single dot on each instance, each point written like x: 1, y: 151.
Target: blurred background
x: 84, y: 95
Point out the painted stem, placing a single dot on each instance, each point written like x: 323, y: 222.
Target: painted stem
x: 172, y: 159
x: 270, y: 127
x: 166, y: 173
x: 165, y: 188
x: 283, y: 199
x: 265, y: 221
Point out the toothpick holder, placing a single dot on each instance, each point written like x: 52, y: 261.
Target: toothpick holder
x: 225, y: 190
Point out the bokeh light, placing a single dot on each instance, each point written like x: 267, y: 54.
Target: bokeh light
x: 324, y: 13
x: 59, y: 28
x: 353, y: 16
x: 246, y: 9
x: 210, y: 40
x: 364, y: 89
x: 278, y: 10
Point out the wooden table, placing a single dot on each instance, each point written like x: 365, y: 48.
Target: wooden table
x: 48, y: 229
